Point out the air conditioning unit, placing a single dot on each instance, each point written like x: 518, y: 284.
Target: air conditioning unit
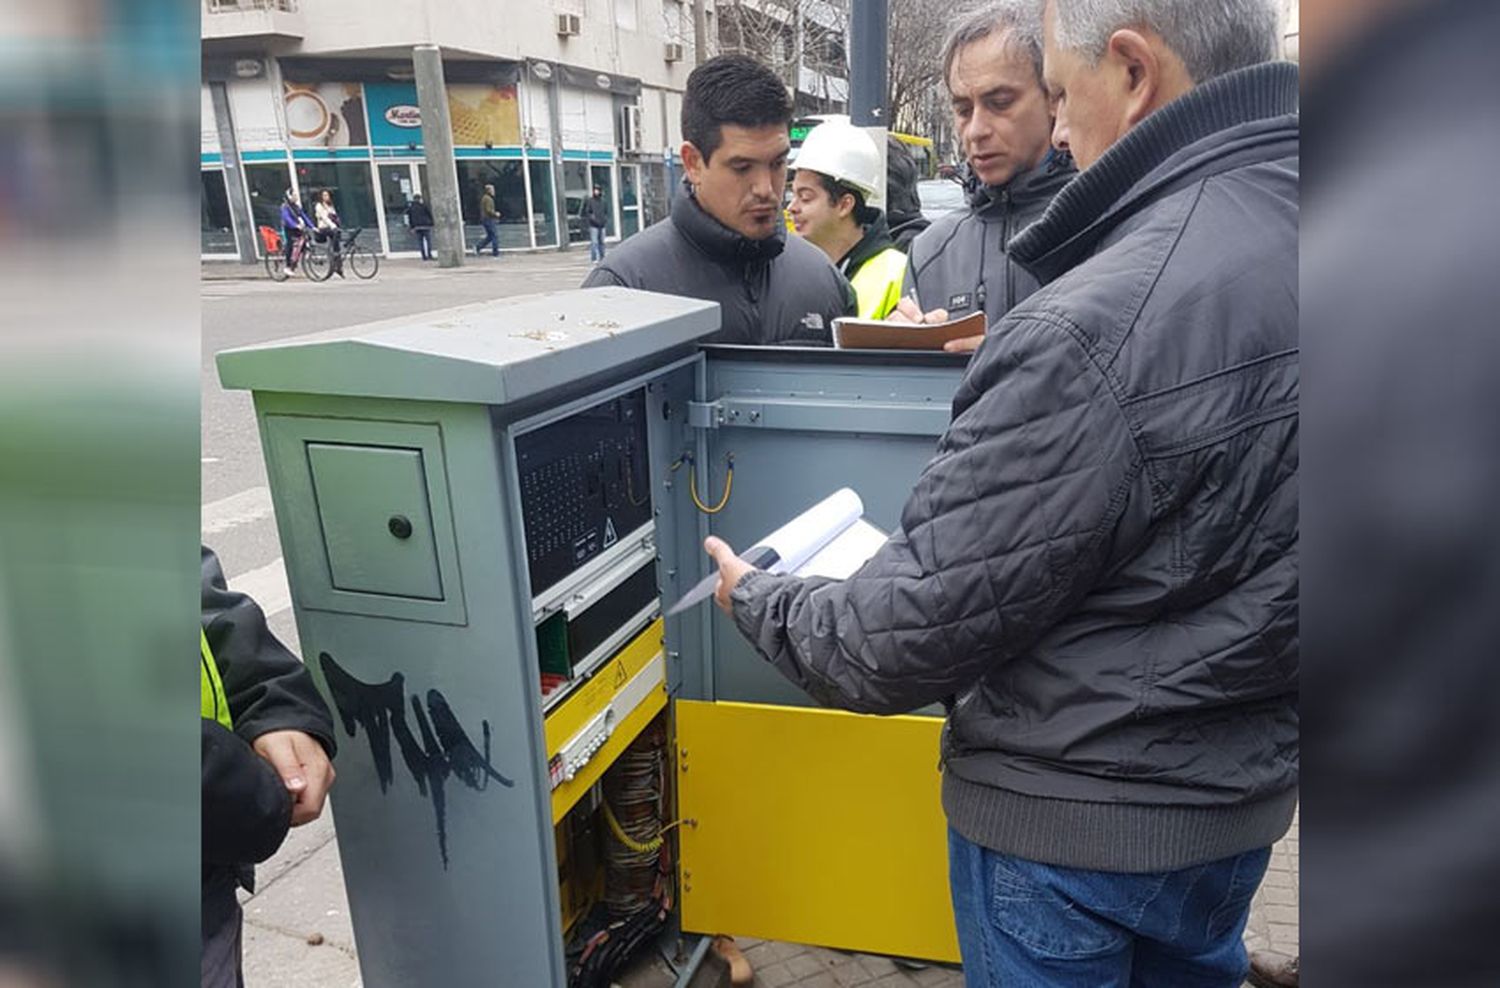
x: 630, y: 128
x: 569, y: 25
x: 673, y: 51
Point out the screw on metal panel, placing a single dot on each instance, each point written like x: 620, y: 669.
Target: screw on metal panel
x: 755, y: 416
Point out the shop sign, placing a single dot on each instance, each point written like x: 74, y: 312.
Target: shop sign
x: 404, y: 115
x: 602, y: 81
x: 541, y: 70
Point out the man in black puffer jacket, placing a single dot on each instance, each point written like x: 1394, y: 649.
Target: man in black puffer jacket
x: 267, y: 741
x: 1100, y: 563
x: 726, y: 241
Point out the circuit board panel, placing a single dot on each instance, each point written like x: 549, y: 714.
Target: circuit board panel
x: 585, y: 484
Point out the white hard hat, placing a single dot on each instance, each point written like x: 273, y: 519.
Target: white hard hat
x: 845, y: 154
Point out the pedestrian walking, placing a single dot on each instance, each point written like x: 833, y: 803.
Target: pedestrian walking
x: 596, y: 215
x: 489, y: 218
x: 419, y: 221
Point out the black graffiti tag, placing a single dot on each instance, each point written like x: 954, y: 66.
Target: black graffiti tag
x: 444, y: 748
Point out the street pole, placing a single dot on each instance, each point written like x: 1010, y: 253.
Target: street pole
x: 437, y: 144
x: 234, y: 179
x: 559, y: 174
x: 868, y: 50
x: 700, y: 33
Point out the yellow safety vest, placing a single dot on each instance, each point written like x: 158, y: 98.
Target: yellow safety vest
x: 877, y: 283
x: 212, y: 698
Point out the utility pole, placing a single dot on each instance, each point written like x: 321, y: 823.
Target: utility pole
x: 437, y: 145
x: 799, y: 39
x: 869, y: 27
x: 234, y: 180
x: 700, y: 33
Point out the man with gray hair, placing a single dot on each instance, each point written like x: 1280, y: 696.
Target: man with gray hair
x: 1099, y: 566
x: 992, y: 65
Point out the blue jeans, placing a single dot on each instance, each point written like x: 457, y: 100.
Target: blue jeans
x: 491, y: 238
x: 596, y: 243
x: 1023, y: 924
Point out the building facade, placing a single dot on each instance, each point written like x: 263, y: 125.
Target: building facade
x: 546, y: 100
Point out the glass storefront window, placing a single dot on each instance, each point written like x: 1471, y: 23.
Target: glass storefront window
x: 218, y: 228
x: 396, y: 191
x: 267, y: 184
x: 353, y: 193
x: 630, y: 201
x: 542, y: 216
x: 510, y: 200
x: 575, y: 190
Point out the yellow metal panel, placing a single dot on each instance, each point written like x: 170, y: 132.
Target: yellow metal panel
x: 590, y: 699
x: 569, y: 717
x: 814, y: 826
x: 568, y: 793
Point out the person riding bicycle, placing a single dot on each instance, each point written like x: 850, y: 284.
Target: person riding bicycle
x: 295, y: 224
x: 329, y: 228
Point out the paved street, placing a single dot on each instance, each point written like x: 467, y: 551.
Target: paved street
x: 297, y: 931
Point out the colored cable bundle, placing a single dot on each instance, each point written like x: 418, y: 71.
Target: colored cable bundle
x: 637, y: 878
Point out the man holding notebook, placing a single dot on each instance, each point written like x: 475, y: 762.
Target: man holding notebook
x: 1100, y: 563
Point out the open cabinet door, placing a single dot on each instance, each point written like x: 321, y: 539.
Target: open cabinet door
x: 813, y: 826
x: 801, y: 823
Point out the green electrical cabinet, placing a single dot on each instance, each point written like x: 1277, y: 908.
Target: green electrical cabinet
x: 491, y: 640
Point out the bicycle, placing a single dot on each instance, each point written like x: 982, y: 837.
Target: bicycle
x: 276, y: 266
x: 363, y: 261
x: 317, y: 263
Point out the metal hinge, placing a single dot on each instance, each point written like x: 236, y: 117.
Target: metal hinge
x: 705, y: 414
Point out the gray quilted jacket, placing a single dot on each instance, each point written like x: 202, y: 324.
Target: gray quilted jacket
x: 1100, y: 562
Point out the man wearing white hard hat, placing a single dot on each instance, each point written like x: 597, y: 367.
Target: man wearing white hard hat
x: 836, y: 204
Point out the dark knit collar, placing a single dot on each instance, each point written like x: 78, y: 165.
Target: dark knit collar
x: 717, y: 240
x: 1157, y: 150
x: 1038, y: 184
x: 876, y: 239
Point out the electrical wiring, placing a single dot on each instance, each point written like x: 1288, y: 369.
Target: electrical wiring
x: 728, y: 486
x: 638, y: 867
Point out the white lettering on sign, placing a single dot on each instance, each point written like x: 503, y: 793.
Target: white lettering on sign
x: 404, y: 115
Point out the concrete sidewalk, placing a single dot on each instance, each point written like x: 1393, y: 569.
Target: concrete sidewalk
x: 298, y: 933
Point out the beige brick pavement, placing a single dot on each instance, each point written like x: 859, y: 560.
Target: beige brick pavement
x: 1272, y: 926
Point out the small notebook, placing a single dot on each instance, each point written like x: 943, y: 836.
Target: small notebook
x: 877, y: 334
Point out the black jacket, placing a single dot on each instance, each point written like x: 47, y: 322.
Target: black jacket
x: 418, y: 215
x: 1101, y: 560
x: 962, y: 263
x: 778, y: 290
x: 246, y: 808
x: 596, y: 211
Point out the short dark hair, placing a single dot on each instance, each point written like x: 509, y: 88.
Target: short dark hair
x: 731, y: 89
x: 863, y: 214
